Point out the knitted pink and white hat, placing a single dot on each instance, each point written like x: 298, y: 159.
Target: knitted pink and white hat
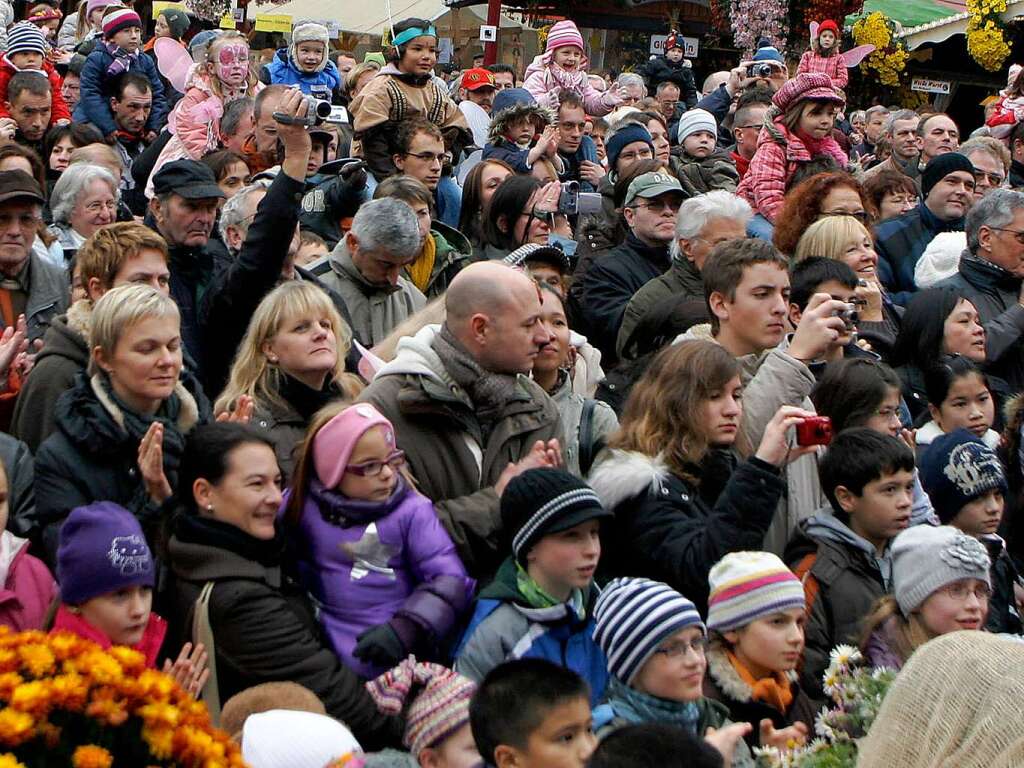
x: 439, y: 705
x: 564, y: 33
x: 748, y: 585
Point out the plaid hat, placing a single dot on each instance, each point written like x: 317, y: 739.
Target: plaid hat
x: 926, y: 558
x: 674, y: 40
x: 958, y: 468
x: 648, y: 185
x: 177, y: 20
x: 632, y: 616
x: 546, y: 254
x: 694, y: 120
x: 940, y: 167
x: 626, y: 135
x: 25, y: 38
x: 564, y: 33
x: 122, y: 18
x: 748, y: 585
x: 477, y: 78
x: 806, y: 85
x: 102, y: 549
x: 435, y: 701
x: 543, y: 501
x: 189, y: 178
x: 829, y: 26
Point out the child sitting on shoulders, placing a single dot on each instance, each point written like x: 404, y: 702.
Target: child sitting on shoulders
x: 1009, y: 109
x: 540, y: 603
x: 304, y: 63
x: 823, y: 55
x: 522, y: 132
x: 700, y: 161
x: 370, y: 548
x: 434, y: 701
x: 26, y: 51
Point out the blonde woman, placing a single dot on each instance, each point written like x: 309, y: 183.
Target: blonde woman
x: 291, y: 362
x: 846, y: 239
x: 120, y: 431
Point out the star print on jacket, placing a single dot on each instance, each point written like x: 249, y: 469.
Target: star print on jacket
x: 369, y: 554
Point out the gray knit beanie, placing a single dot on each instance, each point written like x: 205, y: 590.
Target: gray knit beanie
x: 926, y: 558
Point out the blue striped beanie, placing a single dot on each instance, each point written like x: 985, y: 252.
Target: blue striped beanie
x: 633, y: 616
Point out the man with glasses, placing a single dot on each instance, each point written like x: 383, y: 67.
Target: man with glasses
x: 746, y: 127
x: 947, y: 186
x: 420, y: 153
x: 650, y: 206
x: 576, y: 150
x: 991, y: 276
x: 986, y: 155
x: 29, y: 285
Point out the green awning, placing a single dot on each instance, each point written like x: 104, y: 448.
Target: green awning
x: 909, y: 13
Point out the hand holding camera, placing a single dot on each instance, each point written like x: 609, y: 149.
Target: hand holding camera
x: 775, y: 447
x: 824, y: 320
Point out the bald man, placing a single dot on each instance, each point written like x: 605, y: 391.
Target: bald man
x: 464, y: 410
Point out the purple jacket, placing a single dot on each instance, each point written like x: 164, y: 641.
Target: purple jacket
x: 366, y: 562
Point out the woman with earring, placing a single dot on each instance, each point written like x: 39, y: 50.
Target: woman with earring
x: 291, y: 362
x: 120, y: 431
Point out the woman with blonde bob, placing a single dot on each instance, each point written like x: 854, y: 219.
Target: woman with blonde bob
x: 846, y: 239
x: 121, y: 429
x: 682, y: 497
x: 291, y: 362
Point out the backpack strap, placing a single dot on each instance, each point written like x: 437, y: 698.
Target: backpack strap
x: 202, y: 632
x: 586, y: 436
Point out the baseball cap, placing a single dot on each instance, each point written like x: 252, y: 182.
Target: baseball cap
x: 648, y: 185
x: 188, y: 178
x: 15, y: 184
x: 472, y: 79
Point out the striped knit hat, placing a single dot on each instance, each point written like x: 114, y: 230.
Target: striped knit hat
x: 748, y: 585
x: 25, y: 38
x: 543, y: 501
x: 122, y: 18
x: 632, y: 617
x: 564, y: 33
x: 434, y: 698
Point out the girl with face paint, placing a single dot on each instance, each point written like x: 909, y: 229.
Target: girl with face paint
x: 224, y: 75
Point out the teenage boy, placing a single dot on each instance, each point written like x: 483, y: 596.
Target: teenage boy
x: 539, y: 604
x: 966, y: 482
x: 842, y: 554
x: 530, y: 713
x: 746, y: 285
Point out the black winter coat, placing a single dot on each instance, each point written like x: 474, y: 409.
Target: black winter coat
x: 659, y: 69
x: 264, y: 628
x: 91, y: 457
x: 666, y: 529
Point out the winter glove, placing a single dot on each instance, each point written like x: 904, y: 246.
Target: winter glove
x: 380, y: 645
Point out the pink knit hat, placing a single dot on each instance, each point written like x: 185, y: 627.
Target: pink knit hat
x: 564, y: 33
x: 435, y: 700
x: 334, y: 443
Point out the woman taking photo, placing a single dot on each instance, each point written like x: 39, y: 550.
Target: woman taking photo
x: 521, y: 211
x: 682, y: 498
x: 121, y: 430
x: 261, y: 627
x: 291, y: 362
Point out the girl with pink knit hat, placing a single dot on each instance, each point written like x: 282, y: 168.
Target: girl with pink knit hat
x: 369, y: 547
x: 563, y: 67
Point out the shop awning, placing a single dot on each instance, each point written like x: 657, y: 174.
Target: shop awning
x: 370, y: 16
x: 929, y: 21
x: 956, y: 24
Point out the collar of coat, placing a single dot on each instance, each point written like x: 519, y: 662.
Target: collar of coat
x: 341, y: 262
x: 188, y: 416
x: 623, y: 475
x: 725, y: 676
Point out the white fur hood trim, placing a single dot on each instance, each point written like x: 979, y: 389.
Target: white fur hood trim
x: 725, y: 676
x: 621, y: 475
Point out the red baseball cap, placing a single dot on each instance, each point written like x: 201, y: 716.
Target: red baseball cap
x: 472, y: 79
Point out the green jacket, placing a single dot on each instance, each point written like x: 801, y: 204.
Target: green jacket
x: 453, y: 251
x: 682, y: 281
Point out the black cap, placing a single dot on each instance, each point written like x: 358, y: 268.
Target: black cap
x: 188, y: 178
x: 18, y: 184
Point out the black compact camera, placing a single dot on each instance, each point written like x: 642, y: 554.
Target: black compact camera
x: 572, y: 202
x: 760, y: 69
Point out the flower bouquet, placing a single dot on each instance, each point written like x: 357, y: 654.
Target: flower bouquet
x: 64, y: 701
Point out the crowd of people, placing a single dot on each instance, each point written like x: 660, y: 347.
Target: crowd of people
x: 534, y: 418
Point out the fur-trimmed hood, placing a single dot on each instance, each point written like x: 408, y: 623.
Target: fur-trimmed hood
x: 621, y: 475
x: 500, y: 121
x: 725, y: 677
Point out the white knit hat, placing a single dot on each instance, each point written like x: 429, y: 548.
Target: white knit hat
x: 926, y: 558
x: 694, y: 120
x: 309, y: 32
x: 748, y: 585
x: 283, y: 738
x: 940, y: 259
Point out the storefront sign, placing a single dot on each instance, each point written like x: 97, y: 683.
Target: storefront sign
x: 691, y: 45
x: 273, y: 22
x: 930, y: 86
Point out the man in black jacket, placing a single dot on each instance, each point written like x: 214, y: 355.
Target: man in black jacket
x: 990, y: 277
x: 650, y: 208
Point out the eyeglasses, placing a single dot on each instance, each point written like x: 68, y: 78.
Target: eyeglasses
x: 629, y: 157
x: 373, y: 468
x: 995, y: 179
x: 960, y: 591
x: 430, y: 157
x: 889, y: 414
x: 679, y: 649
x: 861, y: 216
x: 1017, y: 234
x: 660, y: 206
x: 752, y: 125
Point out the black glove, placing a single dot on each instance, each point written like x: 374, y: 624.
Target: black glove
x: 380, y: 645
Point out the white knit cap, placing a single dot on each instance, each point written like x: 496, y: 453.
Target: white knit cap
x: 744, y: 586
x: 309, y: 32
x: 694, y: 120
x: 940, y: 259
x: 926, y: 558
x: 283, y: 738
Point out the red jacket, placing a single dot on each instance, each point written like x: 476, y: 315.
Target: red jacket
x: 148, y: 646
x: 779, y: 154
x: 58, y: 107
x: 29, y: 591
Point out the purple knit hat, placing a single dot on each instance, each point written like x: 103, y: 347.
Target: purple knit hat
x: 102, y: 549
x: 564, y: 33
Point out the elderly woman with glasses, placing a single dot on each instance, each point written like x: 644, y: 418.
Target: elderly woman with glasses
x: 84, y: 199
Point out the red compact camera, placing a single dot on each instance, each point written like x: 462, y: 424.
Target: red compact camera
x: 816, y: 430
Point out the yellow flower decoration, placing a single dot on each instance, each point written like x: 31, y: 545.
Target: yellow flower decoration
x: 91, y: 756
x: 985, y: 40
x: 889, y: 59
x: 10, y: 761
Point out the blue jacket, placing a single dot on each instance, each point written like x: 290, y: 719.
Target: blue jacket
x: 321, y: 84
x: 900, y: 242
x: 94, y: 104
x: 504, y: 627
x: 503, y: 149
